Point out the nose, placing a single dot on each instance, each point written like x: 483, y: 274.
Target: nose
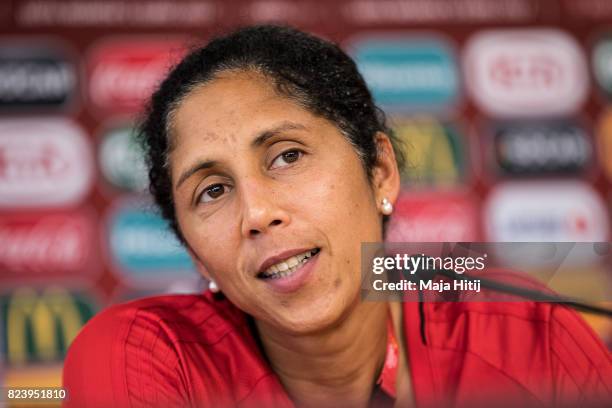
x: 260, y: 209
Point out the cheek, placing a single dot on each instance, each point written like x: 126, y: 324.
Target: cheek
x: 343, y: 203
x: 215, y: 242
x: 340, y: 204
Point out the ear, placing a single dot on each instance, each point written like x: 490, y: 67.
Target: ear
x: 198, y: 264
x: 385, y: 174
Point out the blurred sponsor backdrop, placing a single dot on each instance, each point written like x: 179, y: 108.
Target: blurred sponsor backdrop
x: 505, y: 108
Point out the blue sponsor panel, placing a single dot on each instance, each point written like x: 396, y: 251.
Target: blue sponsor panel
x: 408, y: 73
x: 142, y: 247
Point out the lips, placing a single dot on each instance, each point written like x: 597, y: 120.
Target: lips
x: 285, y: 263
x: 289, y: 271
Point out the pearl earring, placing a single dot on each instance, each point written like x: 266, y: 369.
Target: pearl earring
x: 386, y: 207
x: 212, y: 286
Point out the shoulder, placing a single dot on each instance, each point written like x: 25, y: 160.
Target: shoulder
x: 177, y: 317
x: 500, y: 315
x: 493, y: 318
x: 181, y: 317
x: 543, y: 349
x: 152, y: 342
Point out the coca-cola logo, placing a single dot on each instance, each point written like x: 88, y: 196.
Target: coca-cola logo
x: 44, y: 162
x: 434, y: 217
x: 124, y: 74
x: 526, y: 72
x: 45, y: 246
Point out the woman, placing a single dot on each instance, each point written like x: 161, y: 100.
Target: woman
x: 272, y: 164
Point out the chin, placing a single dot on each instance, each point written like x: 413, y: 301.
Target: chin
x: 313, y: 316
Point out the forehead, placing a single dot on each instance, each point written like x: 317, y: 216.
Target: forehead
x: 229, y: 108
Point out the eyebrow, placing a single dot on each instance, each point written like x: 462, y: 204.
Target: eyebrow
x: 267, y: 134
x: 259, y: 140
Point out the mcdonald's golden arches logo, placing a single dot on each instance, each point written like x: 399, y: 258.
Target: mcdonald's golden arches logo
x: 39, y: 325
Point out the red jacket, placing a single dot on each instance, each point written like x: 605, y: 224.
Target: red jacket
x: 196, y: 351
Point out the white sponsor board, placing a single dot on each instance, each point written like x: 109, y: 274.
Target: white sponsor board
x: 545, y: 211
x: 43, y: 162
x: 526, y: 72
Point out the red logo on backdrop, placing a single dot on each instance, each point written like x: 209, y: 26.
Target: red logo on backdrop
x: 45, y: 246
x: 434, y: 217
x: 43, y: 162
x: 21, y: 162
x: 122, y: 75
x: 530, y: 73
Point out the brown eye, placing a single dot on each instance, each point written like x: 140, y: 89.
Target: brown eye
x: 213, y: 192
x: 291, y: 156
x: 285, y: 158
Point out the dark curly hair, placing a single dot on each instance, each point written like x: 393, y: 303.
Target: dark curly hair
x: 312, y: 72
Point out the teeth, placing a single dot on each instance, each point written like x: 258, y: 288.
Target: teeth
x: 288, y: 266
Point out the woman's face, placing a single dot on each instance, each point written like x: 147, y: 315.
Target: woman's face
x: 273, y: 202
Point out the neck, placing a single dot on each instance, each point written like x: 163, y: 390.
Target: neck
x: 334, y: 367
